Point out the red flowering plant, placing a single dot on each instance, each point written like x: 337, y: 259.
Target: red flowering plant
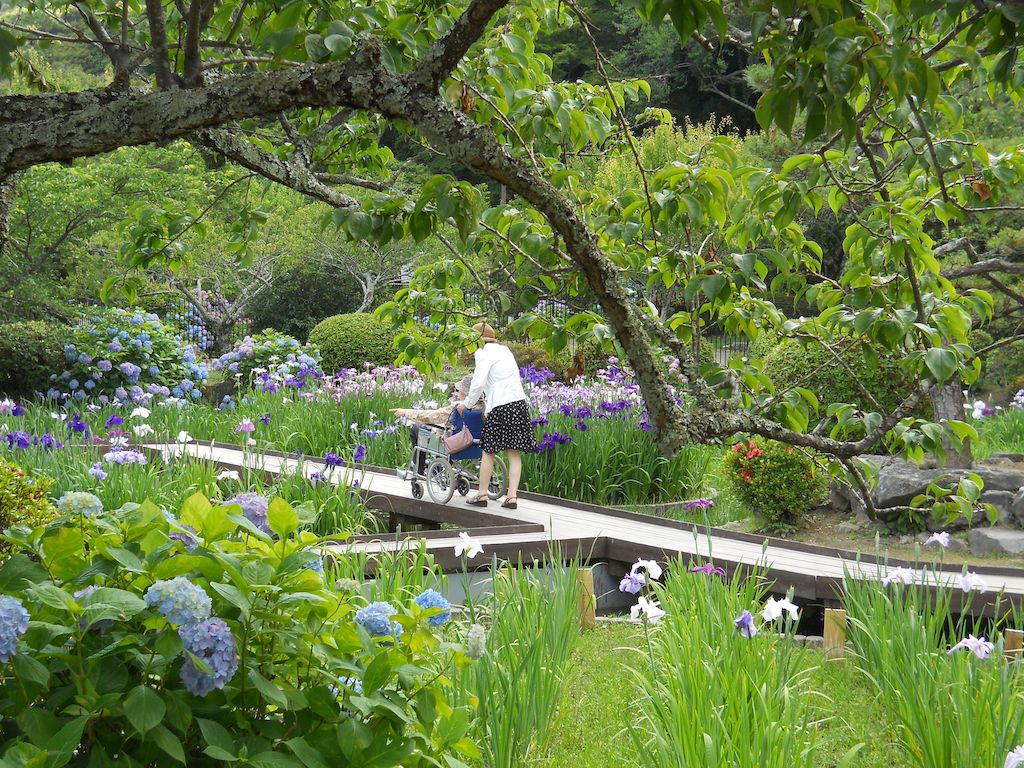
x: 778, y: 483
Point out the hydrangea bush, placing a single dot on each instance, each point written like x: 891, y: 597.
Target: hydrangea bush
x: 269, y: 360
x: 119, y: 645
x: 119, y: 356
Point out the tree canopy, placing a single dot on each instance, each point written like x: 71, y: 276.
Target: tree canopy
x: 307, y: 94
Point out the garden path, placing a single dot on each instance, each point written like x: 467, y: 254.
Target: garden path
x: 602, y: 533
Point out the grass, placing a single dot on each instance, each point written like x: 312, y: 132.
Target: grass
x: 601, y: 696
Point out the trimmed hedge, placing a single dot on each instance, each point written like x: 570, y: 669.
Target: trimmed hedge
x: 348, y: 341
x: 29, y: 352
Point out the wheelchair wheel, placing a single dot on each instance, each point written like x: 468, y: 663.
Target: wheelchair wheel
x: 499, y: 479
x: 417, y: 491
x: 440, y: 481
x: 462, y: 485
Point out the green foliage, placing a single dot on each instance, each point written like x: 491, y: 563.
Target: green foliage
x: 711, y: 696
x: 954, y: 710
x: 310, y: 685
x: 518, y: 681
x: 1004, y: 368
x: 29, y: 352
x: 114, y: 350
x: 790, y: 363
x: 300, y: 297
x: 526, y: 356
x: 348, y: 341
x: 24, y: 500
x: 779, y: 482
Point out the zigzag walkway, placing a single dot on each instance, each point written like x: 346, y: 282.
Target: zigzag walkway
x: 601, y: 534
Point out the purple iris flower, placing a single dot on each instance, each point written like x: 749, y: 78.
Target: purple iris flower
x: 745, y: 624
x: 77, y: 424
x: 49, y: 442
x: 708, y: 569
x: 18, y: 439
x: 18, y: 410
x: 360, y: 453
x: 699, y: 504
x: 265, y: 419
x: 333, y: 460
x: 632, y: 583
x: 114, y: 421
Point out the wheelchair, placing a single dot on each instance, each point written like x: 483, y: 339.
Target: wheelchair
x: 442, y: 473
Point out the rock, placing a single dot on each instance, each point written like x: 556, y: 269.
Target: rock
x: 984, y: 541
x: 1016, y: 509
x: 849, y: 526
x: 837, y: 498
x: 214, y: 393
x: 997, y: 459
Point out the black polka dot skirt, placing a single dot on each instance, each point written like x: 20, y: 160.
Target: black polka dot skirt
x: 507, y: 428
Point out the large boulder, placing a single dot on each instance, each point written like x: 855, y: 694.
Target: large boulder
x: 899, y: 481
x: 1002, y: 541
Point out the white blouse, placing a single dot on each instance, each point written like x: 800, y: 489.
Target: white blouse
x: 496, y: 376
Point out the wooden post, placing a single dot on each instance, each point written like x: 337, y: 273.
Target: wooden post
x: 588, y: 603
x: 1013, y: 643
x: 834, y: 644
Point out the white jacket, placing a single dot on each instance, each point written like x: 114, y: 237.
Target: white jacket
x: 496, y: 376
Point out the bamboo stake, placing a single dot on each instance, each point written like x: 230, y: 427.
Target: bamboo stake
x: 1013, y: 642
x: 588, y: 603
x: 834, y: 644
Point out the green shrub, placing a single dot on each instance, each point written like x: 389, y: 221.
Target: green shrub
x: 207, y: 641
x: 29, y: 353
x: 23, y: 500
x: 813, y: 367
x: 762, y: 345
x: 526, y: 356
x: 777, y: 481
x: 348, y: 341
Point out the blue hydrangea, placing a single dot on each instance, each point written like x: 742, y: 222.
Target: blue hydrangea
x: 179, y: 600
x: 376, y: 619
x: 315, y: 563
x: 211, y: 641
x: 254, y: 508
x: 79, y: 503
x: 430, y: 598
x: 13, y: 623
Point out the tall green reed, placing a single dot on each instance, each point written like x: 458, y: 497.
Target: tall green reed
x: 954, y: 710
x: 400, y: 574
x: 517, y: 683
x: 711, y: 696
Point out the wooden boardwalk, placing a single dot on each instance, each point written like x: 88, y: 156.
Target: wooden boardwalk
x: 603, y: 534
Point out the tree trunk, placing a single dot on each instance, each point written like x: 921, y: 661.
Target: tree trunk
x: 223, y: 333
x: 8, y: 191
x: 948, y: 401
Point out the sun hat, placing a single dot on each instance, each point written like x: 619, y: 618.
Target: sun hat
x: 485, y: 331
x: 464, y: 384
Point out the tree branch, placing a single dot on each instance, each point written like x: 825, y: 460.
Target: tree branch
x: 293, y: 175
x: 165, y: 79
x: 444, y: 55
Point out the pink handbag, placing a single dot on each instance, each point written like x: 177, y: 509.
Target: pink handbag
x: 460, y: 441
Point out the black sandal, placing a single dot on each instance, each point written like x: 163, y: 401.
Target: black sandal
x: 510, y: 503
x: 477, y: 501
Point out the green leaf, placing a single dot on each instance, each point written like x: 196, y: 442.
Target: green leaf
x: 217, y: 739
x: 144, y: 708
x: 169, y: 743
x: 941, y: 362
x: 270, y: 692
x: 62, y: 746
x: 283, y: 520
